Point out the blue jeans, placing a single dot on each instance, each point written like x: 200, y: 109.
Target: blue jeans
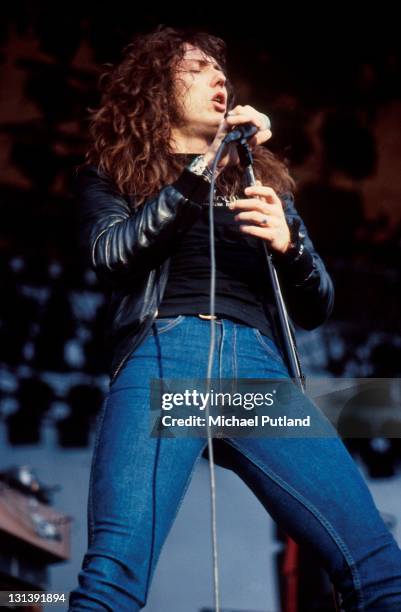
x: 310, y: 486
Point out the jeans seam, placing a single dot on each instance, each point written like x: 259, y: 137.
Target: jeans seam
x: 170, y: 325
x: 263, y: 344
x: 179, y: 504
x: 234, y: 374
x: 185, y: 489
x: 330, y: 529
x: 95, y: 448
x: 221, y: 350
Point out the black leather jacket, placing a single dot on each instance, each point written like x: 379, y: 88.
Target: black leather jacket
x: 129, y: 249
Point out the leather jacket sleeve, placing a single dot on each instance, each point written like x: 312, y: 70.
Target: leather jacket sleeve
x: 307, y: 288
x: 125, y: 242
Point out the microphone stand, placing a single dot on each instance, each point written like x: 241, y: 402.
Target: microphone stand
x: 291, y: 547
x: 246, y: 161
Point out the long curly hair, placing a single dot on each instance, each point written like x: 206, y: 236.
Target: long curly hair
x: 131, y: 130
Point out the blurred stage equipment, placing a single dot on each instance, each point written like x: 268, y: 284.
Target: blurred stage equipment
x: 32, y: 534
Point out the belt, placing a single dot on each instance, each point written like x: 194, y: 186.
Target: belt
x: 200, y: 315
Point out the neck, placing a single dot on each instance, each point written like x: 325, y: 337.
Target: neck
x: 182, y: 142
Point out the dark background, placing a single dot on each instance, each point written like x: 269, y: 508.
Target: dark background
x: 331, y: 85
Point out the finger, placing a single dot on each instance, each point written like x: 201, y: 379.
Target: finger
x: 241, y: 119
x: 260, y: 189
x: 263, y: 191
x: 254, y: 216
x: 237, y: 109
x: 258, y: 232
x: 250, y: 204
x: 245, y: 118
x: 263, y: 136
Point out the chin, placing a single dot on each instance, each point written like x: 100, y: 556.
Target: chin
x: 214, y: 122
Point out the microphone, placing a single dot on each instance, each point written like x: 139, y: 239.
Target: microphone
x: 247, y: 130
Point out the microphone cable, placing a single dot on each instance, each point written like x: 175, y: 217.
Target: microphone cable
x: 208, y: 376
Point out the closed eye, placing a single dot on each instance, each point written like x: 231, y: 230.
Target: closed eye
x: 201, y: 64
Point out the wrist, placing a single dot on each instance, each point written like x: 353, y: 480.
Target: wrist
x: 200, y: 166
x: 285, y: 247
x: 295, y: 245
x: 209, y: 158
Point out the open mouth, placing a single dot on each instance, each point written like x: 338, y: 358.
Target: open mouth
x: 219, y: 102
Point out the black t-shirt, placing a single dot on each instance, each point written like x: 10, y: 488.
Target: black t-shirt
x: 241, y: 272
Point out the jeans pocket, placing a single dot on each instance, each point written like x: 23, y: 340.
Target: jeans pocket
x: 269, y: 346
x: 165, y: 324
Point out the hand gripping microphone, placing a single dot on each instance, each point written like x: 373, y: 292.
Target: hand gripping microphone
x: 247, y: 130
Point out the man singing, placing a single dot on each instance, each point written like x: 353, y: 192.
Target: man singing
x: 143, y: 194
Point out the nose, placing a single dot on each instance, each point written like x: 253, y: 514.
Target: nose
x: 218, y: 78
